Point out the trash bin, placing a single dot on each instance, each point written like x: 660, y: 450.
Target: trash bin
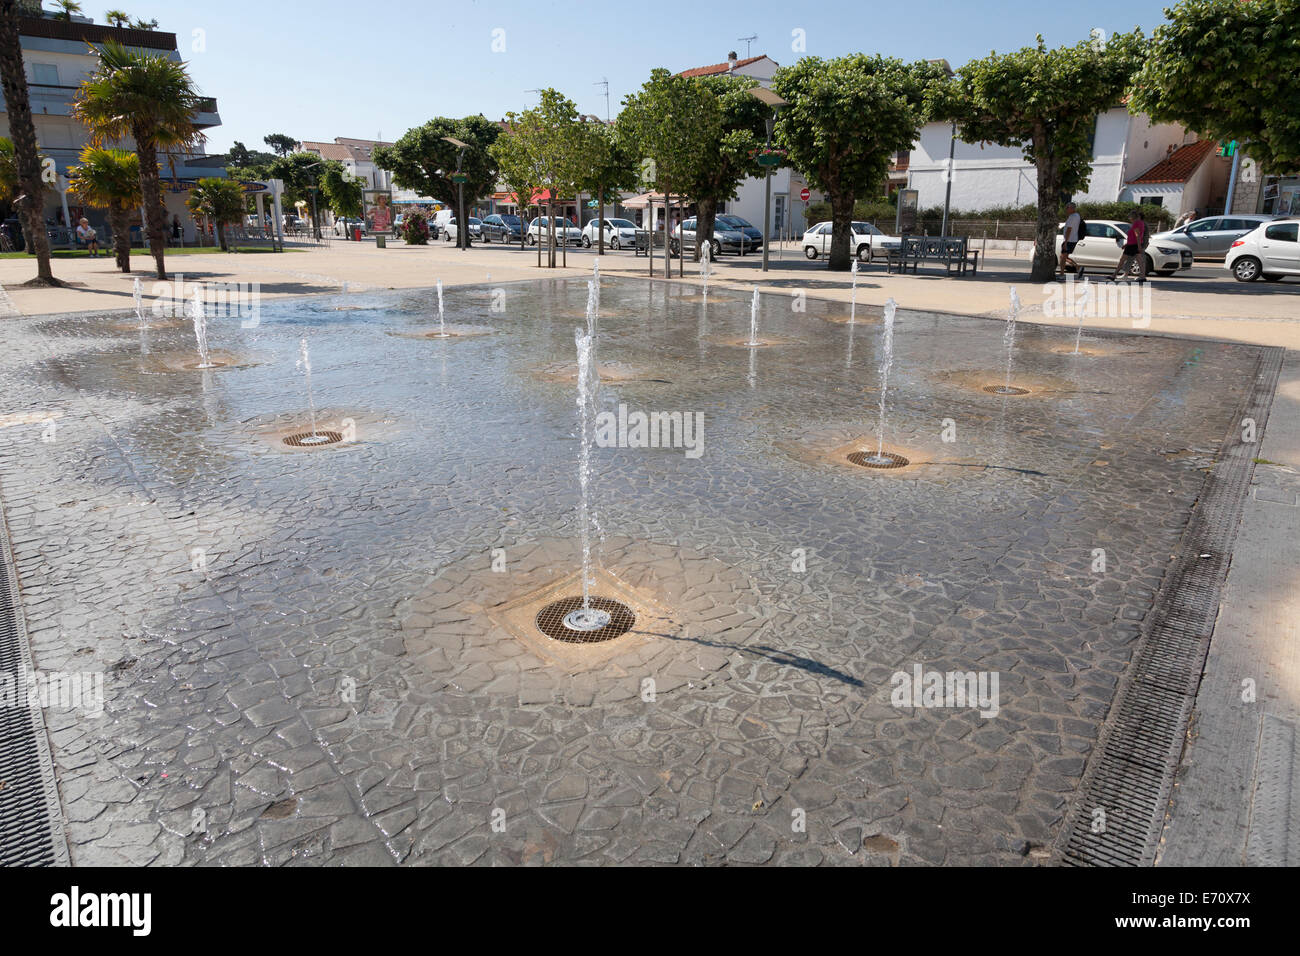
x: 356, y: 233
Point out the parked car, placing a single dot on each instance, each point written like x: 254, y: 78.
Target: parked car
x: 865, y: 242
x: 344, y: 227
x: 1103, y: 242
x: 1211, y: 238
x: 1271, y: 251
x: 728, y: 236
x: 438, y: 224
x: 618, y: 233
x: 450, y: 232
x: 502, y: 228
x: 565, y: 231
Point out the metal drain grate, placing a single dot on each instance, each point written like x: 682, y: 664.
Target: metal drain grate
x: 1131, y: 773
x: 31, y: 823
x: 200, y: 367
x: 1005, y: 390
x: 869, y: 459
x: 313, y: 439
x: 550, y: 621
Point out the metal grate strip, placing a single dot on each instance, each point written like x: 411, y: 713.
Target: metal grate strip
x: 1131, y: 773
x: 31, y: 821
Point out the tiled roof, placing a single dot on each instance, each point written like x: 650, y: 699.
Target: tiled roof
x: 327, y: 150
x: 344, y: 149
x: 1179, y: 166
x: 720, y: 67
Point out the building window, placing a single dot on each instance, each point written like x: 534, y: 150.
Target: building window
x: 45, y: 74
x: 1152, y: 201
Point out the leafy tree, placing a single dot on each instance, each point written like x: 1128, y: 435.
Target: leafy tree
x: 281, y: 144
x: 110, y: 179
x: 1047, y: 102
x: 667, y: 120
x: 27, y: 159
x: 846, y: 119
x: 66, y: 9
x: 302, y: 174
x: 139, y: 24
x: 151, y: 99
x: 516, y: 170
x: 342, y: 189
x: 607, y: 167
x: 241, y: 156
x: 1229, y: 70
x: 220, y: 200
x: 422, y: 160
x: 117, y: 18
x: 727, y: 155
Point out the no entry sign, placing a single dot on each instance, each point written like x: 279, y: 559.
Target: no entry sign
x: 804, y: 194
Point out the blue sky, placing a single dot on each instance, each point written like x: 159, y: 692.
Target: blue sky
x: 333, y: 68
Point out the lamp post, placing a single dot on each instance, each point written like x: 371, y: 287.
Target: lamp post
x: 315, y: 187
x: 458, y: 177
x: 947, y: 196
x: 763, y: 94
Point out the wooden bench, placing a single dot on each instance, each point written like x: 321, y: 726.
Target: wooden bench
x: 951, y: 251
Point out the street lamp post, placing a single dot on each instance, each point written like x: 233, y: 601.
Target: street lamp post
x: 458, y: 177
x: 771, y: 99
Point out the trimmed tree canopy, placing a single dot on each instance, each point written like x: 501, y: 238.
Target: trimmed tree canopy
x: 1230, y: 70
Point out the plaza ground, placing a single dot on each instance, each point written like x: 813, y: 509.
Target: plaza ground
x: 1216, y: 816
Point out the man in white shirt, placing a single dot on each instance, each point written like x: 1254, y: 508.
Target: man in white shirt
x: 1070, y: 238
x: 88, y: 237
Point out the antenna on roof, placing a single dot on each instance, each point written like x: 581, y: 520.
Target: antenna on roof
x: 605, y: 83
x: 747, y: 41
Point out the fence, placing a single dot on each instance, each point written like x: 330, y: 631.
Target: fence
x: 973, y: 228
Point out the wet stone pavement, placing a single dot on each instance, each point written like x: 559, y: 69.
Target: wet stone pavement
x: 306, y: 653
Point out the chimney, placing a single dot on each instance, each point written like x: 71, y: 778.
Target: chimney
x: 731, y: 61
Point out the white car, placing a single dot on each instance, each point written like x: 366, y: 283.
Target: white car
x: 1271, y: 251
x: 565, y: 231
x: 618, y: 233
x: 866, y: 241
x: 1103, y: 244
x: 449, y: 232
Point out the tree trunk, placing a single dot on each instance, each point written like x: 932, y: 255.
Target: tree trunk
x: 117, y: 219
x: 706, y: 214
x: 151, y: 190
x: 841, y: 255
x: 221, y: 235
x: 31, y: 198
x: 1049, y: 190
x: 550, y: 231
x: 600, y: 222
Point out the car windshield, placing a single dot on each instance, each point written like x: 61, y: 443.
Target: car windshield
x: 621, y: 224
x: 735, y: 222
x: 866, y: 228
x: 472, y: 220
x: 509, y: 220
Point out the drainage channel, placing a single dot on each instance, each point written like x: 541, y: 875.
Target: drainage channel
x: 31, y: 822
x: 1130, y: 776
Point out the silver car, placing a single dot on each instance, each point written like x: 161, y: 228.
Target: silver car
x: 1212, y: 237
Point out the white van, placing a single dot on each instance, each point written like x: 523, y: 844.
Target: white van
x: 438, y: 224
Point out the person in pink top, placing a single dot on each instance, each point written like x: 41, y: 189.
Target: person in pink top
x: 1134, y: 249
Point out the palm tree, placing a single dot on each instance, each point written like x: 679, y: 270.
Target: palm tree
x: 118, y: 18
x: 221, y: 200
x: 27, y: 160
x: 152, y: 100
x: 66, y: 9
x: 110, y: 179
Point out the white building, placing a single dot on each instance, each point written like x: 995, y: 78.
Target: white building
x: 1132, y: 160
x: 58, y: 55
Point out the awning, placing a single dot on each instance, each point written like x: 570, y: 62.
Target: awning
x: 645, y: 199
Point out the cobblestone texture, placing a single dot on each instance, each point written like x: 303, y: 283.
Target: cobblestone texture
x: 322, y: 686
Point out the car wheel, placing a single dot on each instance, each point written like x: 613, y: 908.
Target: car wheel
x: 1272, y: 278
x: 613, y: 242
x: 864, y: 253
x: 1246, y: 269
x: 810, y: 252
x: 532, y: 240
x: 716, y: 249
x: 586, y: 242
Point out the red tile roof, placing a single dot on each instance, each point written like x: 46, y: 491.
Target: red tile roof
x: 1179, y: 166
x: 721, y: 67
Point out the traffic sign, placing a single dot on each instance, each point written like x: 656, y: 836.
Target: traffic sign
x: 804, y: 194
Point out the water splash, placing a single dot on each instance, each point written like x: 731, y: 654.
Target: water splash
x: 886, y: 362
x: 137, y: 293
x: 442, y: 322
x: 586, y: 618
x: 1009, y: 337
x: 304, y: 363
x: 1082, y: 307
x: 593, y: 310
x: 199, y: 317
x: 853, y: 303
x: 753, y: 319
x: 595, y: 277
x: 706, y: 260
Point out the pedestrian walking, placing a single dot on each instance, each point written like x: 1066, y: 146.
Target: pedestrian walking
x: 1135, y: 244
x: 1070, y: 237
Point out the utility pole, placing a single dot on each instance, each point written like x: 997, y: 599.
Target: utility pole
x: 605, y: 83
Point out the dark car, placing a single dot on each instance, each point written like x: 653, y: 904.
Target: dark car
x: 506, y: 228
x: 730, y: 234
